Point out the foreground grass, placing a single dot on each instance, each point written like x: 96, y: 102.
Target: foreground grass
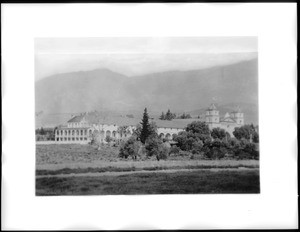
x: 203, y: 181
x: 138, y: 167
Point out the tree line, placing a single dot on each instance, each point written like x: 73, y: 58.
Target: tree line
x: 169, y: 116
x: 45, y: 134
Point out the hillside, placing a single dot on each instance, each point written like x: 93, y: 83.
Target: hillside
x: 181, y: 91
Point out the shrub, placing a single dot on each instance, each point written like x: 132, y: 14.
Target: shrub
x: 216, y: 149
x: 155, y: 147
x: 184, y: 153
x: 174, y: 150
x: 218, y: 133
x: 197, y: 147
x: 130, y: 148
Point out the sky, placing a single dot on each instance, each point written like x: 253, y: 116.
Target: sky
x: 133, y: 56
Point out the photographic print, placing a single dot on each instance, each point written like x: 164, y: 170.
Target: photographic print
x: 146, y: 115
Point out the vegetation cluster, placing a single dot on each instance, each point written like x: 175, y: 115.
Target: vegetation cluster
x: 197, y: 141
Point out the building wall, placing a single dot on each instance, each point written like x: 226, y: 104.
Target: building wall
x: 75, y: 133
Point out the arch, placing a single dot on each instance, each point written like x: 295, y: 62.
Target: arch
x: 168, y: 136
x: 73, y: 132
x: 77, y: 132
x: 114, y: 134
x: 66, y: 133
x: 161, y: 135
x: 108, y: 133
x: 102, y: 133
x: 90, y: 132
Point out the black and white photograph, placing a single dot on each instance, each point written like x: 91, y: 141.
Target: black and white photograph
x: 146, y: 115
x: 149, y: 116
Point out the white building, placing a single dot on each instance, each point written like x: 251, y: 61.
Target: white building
x: 80, y: 128
x: 228, y: 122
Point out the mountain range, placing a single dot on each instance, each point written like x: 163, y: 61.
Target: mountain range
x: 180, y: 91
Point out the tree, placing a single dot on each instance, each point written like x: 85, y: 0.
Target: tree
x: 246, y: 132
x: 155, y: 147
x: 42, y: 131
x: 216, y: 149
x: 194, y: 137
x: 184, y: 116
x: 197, y: 127
x: 168, y: 115
x: 184, y: 140
x: 123, y: 130
x: 138, y: 130
x: 130, y: 148
x: 199, y: 130
x: 145, y: 131
x: 218, y: 133
x: 162, y: 116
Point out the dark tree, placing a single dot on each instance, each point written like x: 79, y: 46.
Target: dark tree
x: 130, y: 148
x: 197, y: 127
x: 145, y: 131
x: 168, y: 115
x: 42, y: 131
x: 155, y: 147
x: 162, y: 116
x: 246, y: 132
x: 218, y: 133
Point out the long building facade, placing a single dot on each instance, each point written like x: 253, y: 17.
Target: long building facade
x: 83, y: 128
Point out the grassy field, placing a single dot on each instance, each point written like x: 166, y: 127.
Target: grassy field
x: 75, y: 158
x: 200, y: 181
x: 74, y: 153
x: 172, y: 176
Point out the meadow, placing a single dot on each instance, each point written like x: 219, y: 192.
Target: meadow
x: 200, y: 181
x: 75, y: 158
x: 74, y: 169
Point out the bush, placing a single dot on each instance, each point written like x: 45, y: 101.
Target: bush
x: 130, y: 148
x: 197, y: 147
x: 174, y: 150
x: 218, y: 133
x: 155, y: 147
x: 184, y: 153
x: 216, y: 149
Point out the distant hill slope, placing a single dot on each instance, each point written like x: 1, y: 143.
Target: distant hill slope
x: 181, y: 91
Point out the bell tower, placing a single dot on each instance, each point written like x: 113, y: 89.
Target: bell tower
x: 238, y: 116
x: 212, y: 116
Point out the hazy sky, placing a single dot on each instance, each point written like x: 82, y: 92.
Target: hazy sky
x: 139, y: 55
